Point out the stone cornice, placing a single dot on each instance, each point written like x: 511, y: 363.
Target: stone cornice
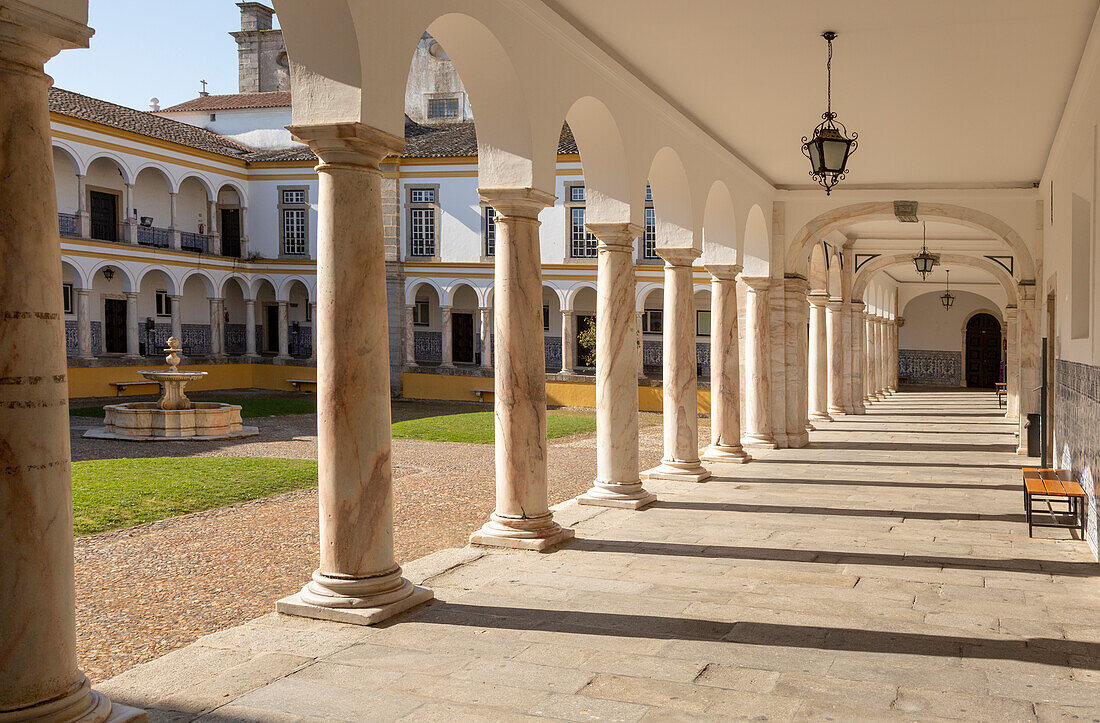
x: 615, y: 236
x: 723, y: 272
x: 757, y: 283
x: 351, y: 144
x: 679, y: 256
x: 516, y: 202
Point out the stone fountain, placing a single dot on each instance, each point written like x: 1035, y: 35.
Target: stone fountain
x: 173, y: 416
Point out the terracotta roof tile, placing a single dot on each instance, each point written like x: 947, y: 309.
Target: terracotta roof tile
x: 233, y: 101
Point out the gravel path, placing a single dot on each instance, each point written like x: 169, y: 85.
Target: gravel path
x: 147, y: 590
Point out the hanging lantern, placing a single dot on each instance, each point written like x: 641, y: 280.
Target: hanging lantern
x: 830, y: 146
x: 947, y: 299
x: 924, y: 261
x: 108, y: 273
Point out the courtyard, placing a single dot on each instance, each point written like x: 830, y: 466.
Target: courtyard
x: 882, y: 572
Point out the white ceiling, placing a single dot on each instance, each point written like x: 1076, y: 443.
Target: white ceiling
x: 907, y: 274
x: 941, y: 92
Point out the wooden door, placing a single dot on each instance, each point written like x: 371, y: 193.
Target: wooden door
x: 462, y: 338
x: 103, y: 209
x: 114, y: 326
x: 231, y: 232
x: 983, y: 351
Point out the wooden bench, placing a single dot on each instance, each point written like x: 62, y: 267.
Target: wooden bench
x: 1045, y: 488
x: 297, y: 383
x: 481, y: 393
x: 120, y: 387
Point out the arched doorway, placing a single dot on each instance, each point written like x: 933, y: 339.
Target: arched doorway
x: 983, y: 351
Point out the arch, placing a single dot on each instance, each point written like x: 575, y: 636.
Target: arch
x: 834, y: 274
x: 241, y: 195
x: 153, y: 165
x: 603, y: 154
x: 448, y: 298
x: 859, y: 283
x: 246, y: 288
x: 505, y: 147
x: 163, y: 272
x: 127, y: 175
x: 129, y: 283
x: 257, y: 282
x: 81, y: 281
x: 720, y: 237
x: 818, y: 274
x: 816, y: 228
x: 571, y: 294
x: 284, y: 289
x: 994, y: 312
x: 414, y: 286
x: 643, y: 293
x: 672, y: 205
x: 68, y: 151
x: 211, y: 193
x: 208, y: 281
x: 757, y: 250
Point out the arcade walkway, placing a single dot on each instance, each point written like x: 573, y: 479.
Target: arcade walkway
x: 884, y: 570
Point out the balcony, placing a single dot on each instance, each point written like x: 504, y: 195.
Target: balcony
x: 154, y: 236
x: 198, y: 243
x: 107, y: 231
x: 69, y: 225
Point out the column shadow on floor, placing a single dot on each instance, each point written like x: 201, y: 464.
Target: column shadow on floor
x: 866, y: 483
x: 910, y: 447
x: 1049, y: 651
x: 830, y: 557
x: 854, y: 463
x: 832, y: 511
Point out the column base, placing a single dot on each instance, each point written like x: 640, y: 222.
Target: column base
x: 133, y: 357
x: 758, y: 441
x: 800, y: 439
x: 860, y: 409
x: 834, y: 411
x: 870, y: 398
x: 880, y: 396
x: 358, y: 601
x: 81, y: 703
x: 810, y: 427
x: 678, y: 472
x: 820, y: 417
x: 522, y: 533
x: 281, y: 359
x: 727, y: 453
x: 628, y: 496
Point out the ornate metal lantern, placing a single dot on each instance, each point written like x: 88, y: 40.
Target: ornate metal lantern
x: 108, y: 273
x: 924, y: 261
x: 830, y: 146
x: 947, y: 299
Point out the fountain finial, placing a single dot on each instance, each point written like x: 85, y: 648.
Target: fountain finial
x: 173, y: 350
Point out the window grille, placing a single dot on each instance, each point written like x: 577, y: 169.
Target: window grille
x: 442, y: 108
x: 582, y: 244
x: 576, y: 194
x: 649, y: 236
x: 423, y: 232
x: 422, y: 195
x: 294, y: 196
x: 490, y: 231
x: 294, y: 231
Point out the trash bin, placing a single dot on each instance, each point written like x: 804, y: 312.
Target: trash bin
x: 1034, y: 438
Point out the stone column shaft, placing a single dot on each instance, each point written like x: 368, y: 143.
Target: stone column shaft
x: 250, y: 327
x: 1012, y: 369
x: 410, y: 335
x: 795, y: 361
x: 868, y: 359
x: 880, y: 357
x: 818, y: 361
x: 177, y: 318
x: 486, y: 337
x: 894, y: 354
x: 217, y: 334
x: 132, y: 325
x: 284, y: 331
x: 638, y: 339
x: 680, y: 382
x: 758, y: 414
x: 522, y: 517
x: 834, y: 324
x: 725, y: 371
x: 84, y: 324
x: 358, y: 580
x: 313, y: 332
x: 568, y: 342
x: 82, y: 206
x: 39, y: 677
x: 129, y: 223
x: 855, y: 353
x: 175, y: 234
x: 448, y: 337
x: 617, y: 481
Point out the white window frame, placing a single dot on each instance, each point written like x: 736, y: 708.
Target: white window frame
x: 451, y: 107
x: 421, y: 313
x: 699, y: 323
x: 581, y: 244
x: 653, y: 321
x: 163, y: 306
x: 489, y: 230
x: 419, y: 245
x: 67, y: 297
x: 294, y: 215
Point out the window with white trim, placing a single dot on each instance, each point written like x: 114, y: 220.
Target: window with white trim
x: 490, y: 231
x: 652, y: 321
x: 67, y: 297
x: 546, y: 317
x: 702, y: 322
x: 294, y: 221
x: 582, y: 244
x: 423, y: 221
x: 164, y: 303
x: 420, y: 312
x: 443, y: 108
x: 649, y: 235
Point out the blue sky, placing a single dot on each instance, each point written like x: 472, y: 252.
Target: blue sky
x: 145, y: 48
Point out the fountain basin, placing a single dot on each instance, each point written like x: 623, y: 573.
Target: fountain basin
x: 146, y: 421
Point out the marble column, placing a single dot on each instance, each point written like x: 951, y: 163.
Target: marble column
x: 39, y: 677
x: 82, y: 206
x: 617, y: 481
x: 796, y: 361
x: 447, y: 335
x: 880, y: 356
x: 132, y: 347
x: 410, y: 336
x: 680, y: 383
x: 818, y: 361
x: 173, y: 231
x: 856, y: 354
x: 216, y: 241
x: 869, y: 373
x: 522, y: 518
x: 177, y: 320
x: 84, y: 324
x: 129, y: 223
x: 250, y: 328
x: 1030, y: 353
x: 892, y: 360
x: 568, y: 342
x: 834, y: 328
x: 758, y: 411
x: 638, y: 315
x: 244, y: 233
x: 1012, y: 370
x: 486, y: 330
x: 358, y: 580
x: 725, y: 371
x: 313, y: 333
x: 217, y: 327
x: 284, y: 331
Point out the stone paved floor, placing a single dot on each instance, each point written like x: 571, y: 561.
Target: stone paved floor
x: 884, y: 572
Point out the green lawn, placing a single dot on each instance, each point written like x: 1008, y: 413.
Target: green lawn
x: 477, y: 427
x: 250, y: 406
x: 110, y: 494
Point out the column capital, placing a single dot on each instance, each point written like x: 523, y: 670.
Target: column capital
x: 30, y: 35
x: 516, y: 202
x: 833, y: 304
x: 796, y: 284
x: 723, y: 272
x: 247, y: 302
x: 615, y: 236
x: 131, y: 294
x: 84, y: 292
x: 817, y: 299
x: 757, y: 283
x: 485, y: 309
x: 348, y: 144
x: 679, y: 256
x: 216, y: 299
x: 858, y: 305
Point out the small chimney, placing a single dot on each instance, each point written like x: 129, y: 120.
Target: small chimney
x: 154, y: 105
x: 255, y: 16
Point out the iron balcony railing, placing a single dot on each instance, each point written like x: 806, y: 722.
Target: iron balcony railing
x: 197, y: 242
x: 154, y: 236
x: 107, y: 231
x: 69, y: 224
